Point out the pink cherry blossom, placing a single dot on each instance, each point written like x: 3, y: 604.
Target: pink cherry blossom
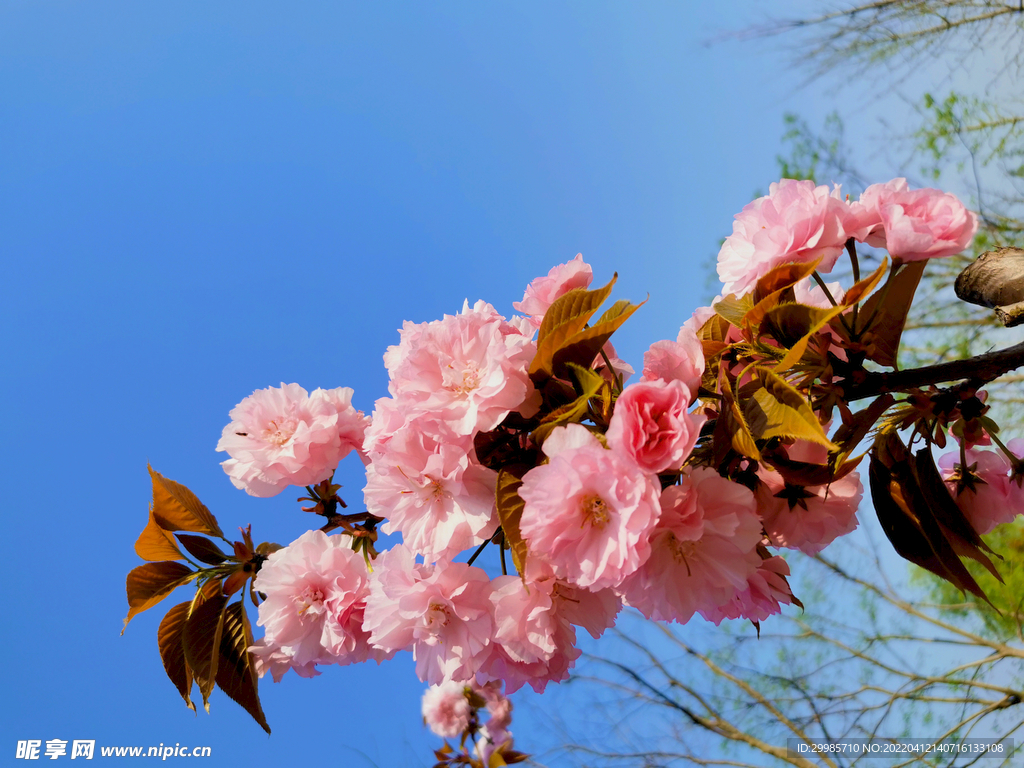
x: 997, y: 498
x: 808, y: 518
x: 468, y: 370
x: 766, y: 592
x: 490, y: 740
x: 703, y: 550
x: 914, y: 224
x: 535, y: 619
x: 284, y: 436
x: 682, y: 360
x: 796, y: 222
x: 446, y: 709
x: 316, y: 590
x: 498, y: 705
x: 650, y: 425
x: 542, y: 292
x: 424, y: 480
x: 442, y: 612
x: 588, y: 511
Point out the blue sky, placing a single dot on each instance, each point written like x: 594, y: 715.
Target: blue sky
x: 201, y: 199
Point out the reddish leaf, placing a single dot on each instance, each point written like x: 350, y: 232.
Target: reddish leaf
x: 906, y: 519
x: 150, y: 583
x: 201, y: 641
x: 237, y: 579
x: 889, y: 307
x: 958, y: 530
x: 852, y: 431
x: 805, y: 474
x: 169, y: 638
x: 176, y: 508
x: 202, y: 549
x: 236, y: 673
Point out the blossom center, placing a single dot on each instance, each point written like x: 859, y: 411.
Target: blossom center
x: 311, y: 598
x: 682, y: 551
x: 280, y: 431
x: 468, y: 382
x: 436, y: 618
x: 595, y: 511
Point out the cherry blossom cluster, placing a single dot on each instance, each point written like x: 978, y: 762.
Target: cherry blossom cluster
x: 798, y: 221
x: 630, y: 506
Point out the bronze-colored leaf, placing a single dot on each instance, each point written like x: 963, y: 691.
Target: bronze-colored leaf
x: 236, y: 673
x: 588, y: 384
x: 783, y: 276
x: 510, y: 511
x: 790, y: 322
x: 906, y: 519
x: 734, y: 308
x: 155, y: 544
x: 887, y: 310
x: 150, y: 583
x: 176, y: 508
x: 586, y: 345
x: 566, y: 317
x: 807, y: 474
x: 958, y: 529
x: 201, y: 641
x: 852, y: 431
x: 776, y: 287
x: 863, y: 287
x: 787, y: 414
x: 821, y: 318
x: 202, y: 549
x: 172, y: 654
x: 731, y: 428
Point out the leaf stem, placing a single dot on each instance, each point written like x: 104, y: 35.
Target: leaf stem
x: 478, y: 551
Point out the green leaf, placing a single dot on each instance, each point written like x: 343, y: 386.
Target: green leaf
x: 176, y: 508
x: 236, y: 673
x: 510, y: 511
x: 889, y: 307
x: 150, y: 583
x: 566, y: 317
x: 169, y: 639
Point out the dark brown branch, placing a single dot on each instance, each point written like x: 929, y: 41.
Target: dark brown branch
x: 977, y: 370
